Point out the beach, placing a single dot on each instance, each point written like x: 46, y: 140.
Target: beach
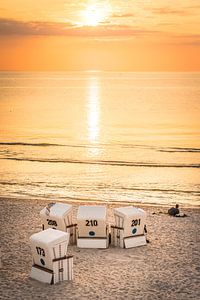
x: 166, y: 268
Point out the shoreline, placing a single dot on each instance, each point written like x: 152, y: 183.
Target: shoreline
x: 166, y: 268
x: 79, y: 201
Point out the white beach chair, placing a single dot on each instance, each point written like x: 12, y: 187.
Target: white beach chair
x: 128, y: 230
x: 92, y: 227
x: 50, y: 261
x: 59, y: 216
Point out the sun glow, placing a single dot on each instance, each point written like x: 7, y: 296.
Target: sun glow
x: 93, y: 15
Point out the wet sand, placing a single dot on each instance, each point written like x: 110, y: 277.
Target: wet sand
x: 167, y: 268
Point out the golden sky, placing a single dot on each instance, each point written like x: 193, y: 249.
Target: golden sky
x: 123, y: 35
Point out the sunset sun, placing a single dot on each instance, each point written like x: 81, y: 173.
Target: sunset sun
x: 93, y: 15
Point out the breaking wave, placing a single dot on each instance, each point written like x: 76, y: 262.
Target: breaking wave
x: 160, y: 149
x: 189, y: 150
x: 105, y: 162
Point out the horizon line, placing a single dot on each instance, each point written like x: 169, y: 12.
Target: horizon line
x: 104, y: 71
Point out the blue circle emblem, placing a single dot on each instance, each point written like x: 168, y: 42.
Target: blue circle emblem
x: 134, y: 231
x: 92, y: 233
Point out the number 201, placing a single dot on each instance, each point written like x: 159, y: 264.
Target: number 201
x: 91, y: 223
x: 135, y: 222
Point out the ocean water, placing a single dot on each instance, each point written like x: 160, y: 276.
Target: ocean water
x: 106, y: 136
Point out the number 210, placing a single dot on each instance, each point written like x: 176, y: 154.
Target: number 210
x: 91, y: 223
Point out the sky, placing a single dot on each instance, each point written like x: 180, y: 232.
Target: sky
x: 107, y: 35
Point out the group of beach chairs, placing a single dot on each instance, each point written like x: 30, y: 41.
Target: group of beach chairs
x: 51, y: 263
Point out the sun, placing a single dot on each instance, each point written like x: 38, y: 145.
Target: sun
x: 93, y: 15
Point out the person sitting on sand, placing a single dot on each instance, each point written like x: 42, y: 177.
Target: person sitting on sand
x: 173, y: 211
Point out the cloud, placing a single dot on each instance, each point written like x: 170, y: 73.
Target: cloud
x: 171, y: 11
x: 186, y: 40
x: 14, y: 27
x: 193, y: 43
x: 167, y: 24
x: 128, y: 15
x: 105, y: 31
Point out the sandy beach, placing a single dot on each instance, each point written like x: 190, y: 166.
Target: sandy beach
x: 167, y: 268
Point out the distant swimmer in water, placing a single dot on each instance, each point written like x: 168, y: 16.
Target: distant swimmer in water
x: 175, y: 212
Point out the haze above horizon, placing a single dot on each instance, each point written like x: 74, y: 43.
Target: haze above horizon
x: 108, y: 35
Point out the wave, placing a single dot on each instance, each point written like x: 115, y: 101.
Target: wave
x: 105, y: 162
x: 41, y: 144
x: 29, y: 144
x: 136, y: 189
x: 167, y: 149
x: 48, y: 145
x: 130, y: 146
x: 162, y: 190
x: 20, y: 184
x: 159, y: 149
x: 179, y: 149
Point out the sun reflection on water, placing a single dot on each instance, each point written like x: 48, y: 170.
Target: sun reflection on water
x: 93, y: 120
x: 93, y: 110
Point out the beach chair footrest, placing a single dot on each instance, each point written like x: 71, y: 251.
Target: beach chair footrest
x: 135, y: 241
x: 92, y: 243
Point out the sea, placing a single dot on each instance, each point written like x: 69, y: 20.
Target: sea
x: 111, y: 137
